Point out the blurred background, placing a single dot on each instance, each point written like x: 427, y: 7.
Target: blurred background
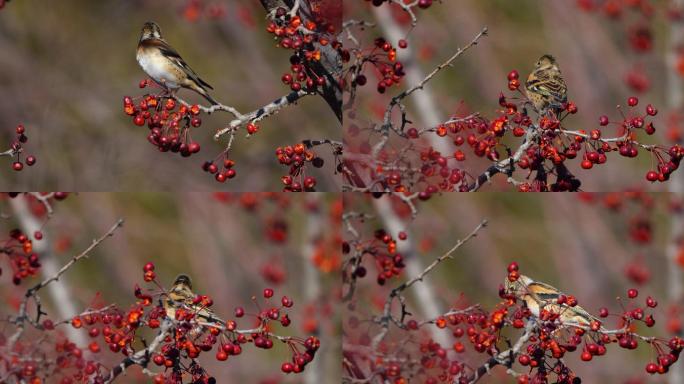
x: 607, y: 51
x: 233, y: 246
x: 592, y: 246
x: 65, y: 69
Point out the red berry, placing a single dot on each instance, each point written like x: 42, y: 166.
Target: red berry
x: 268, y: 293
x: 48, y: 324
x: 158, y: 359
x: 513, y: 75
x: 239, y: 312
x: 652, y: 176
x: 513, y: 266
x: 651, y: 302
x: 309, y: 182
x: 403, y: 43
x: 139, y: 120
x: 514, y: 84
x: 252, y: 128
x: 651, y: 110
x: 287, y: 367
x: 603, y: 120
x: 632, y: 293
x: 17, y: 166
x: 194, y: 147
x: 148, y: 267
x: 170, y: 104
x: 424, y: 4
x: 524, y: 360
x: 586, y: 164
x: 30, y: 160
x: 20, y: 129
x: 632, y: 101
x: 651, y: 368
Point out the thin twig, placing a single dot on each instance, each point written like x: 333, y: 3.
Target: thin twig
x: 396, y: 100
x: 387, y: 317
x: 263, y: 112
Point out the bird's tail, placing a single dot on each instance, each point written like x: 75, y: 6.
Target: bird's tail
x: 210, y: 99
x: 205, y: 94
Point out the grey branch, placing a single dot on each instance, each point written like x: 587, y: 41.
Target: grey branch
x: 396, y: 293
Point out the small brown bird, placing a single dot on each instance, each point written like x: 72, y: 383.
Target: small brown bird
x: 181, y: 296
x: 546, y: 88
x: 165, y: 66
x: 539, y: 296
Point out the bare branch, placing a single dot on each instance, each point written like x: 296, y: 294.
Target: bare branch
x: 387, y: 317
x: 396, y: 100
x: 23, y: 317
x: 267, y: 110
x: 507, y: 357
x: 143, y: 356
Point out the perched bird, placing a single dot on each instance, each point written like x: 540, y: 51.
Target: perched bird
x: 546, y: 88
x: 165, y: 66
x: 181, y: 296
x: 539, y: 296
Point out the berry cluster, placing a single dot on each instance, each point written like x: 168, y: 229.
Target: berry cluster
x: 73, y: 365
x: 187, y: 334
x: 382, y: 248
x: 16, y: 149
x: 556, y: 338
x: 383, y: 58
x: 558, y: 144
x: 305, y: 38
x: 297, y: 157
x: 169, y: 121
x: 226, y: 172
x: 22, y: 260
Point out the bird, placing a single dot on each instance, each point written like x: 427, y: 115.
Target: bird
x: 540, y: 296
x: 181, y: 296
x: 165, y: 66
x: 545, y: 86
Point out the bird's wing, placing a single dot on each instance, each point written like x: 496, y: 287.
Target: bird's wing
x: 173, y: 55
x: 548, y: 295
x: 548, y: 84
